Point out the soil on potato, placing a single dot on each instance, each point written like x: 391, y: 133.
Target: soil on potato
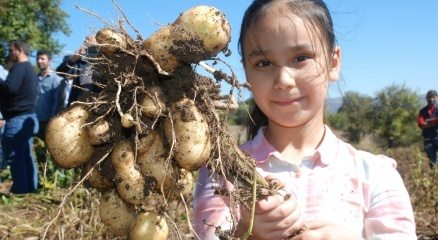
x: 122, y: 79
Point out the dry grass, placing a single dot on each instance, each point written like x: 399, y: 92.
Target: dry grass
x: 27, y: 216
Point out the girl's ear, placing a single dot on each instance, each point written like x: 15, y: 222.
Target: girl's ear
x: 335, y: 66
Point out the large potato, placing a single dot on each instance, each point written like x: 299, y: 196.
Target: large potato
x: 159, y: 45
x: 151, y: 160
x: 116, y: 214
x: 199, y: 33
x: 149, y: 226
x: 129, y: 181
x: 192, y: 135
x: 66, y: 140
x: 208, y: 25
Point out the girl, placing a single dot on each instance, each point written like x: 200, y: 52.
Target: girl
x: 290, y: 56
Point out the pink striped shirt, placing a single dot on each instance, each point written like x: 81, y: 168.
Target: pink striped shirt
x: 361, y: 191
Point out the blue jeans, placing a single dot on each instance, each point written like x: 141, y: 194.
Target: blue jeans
x: 431, y: 149
x: 2, y: 158
x: 17, y: 147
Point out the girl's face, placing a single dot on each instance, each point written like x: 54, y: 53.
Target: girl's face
x: 287, y: 68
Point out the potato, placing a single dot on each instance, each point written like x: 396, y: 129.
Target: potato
x: 99, y: 133
x: 159, y: 45
x: 149, y: 226
x: 66, y: 140
x: 127, y: 120
x: 110, y: 41
x: 192, y: 135
x: 207, y: 24
x: 185, y: 182
x: 129, y: 181
x: 97, y: 180
x: 199, y: 33
x: 116, y: 214
x: 151, y: 161
x: 151, y: 107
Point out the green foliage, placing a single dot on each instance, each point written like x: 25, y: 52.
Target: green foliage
x: 354, y: 116
x: 391, y: 116
x: 34, y: 21
x: 395, y: 115
x: 51, y: 176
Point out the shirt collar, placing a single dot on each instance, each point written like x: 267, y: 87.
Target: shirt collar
x: 260, y: 149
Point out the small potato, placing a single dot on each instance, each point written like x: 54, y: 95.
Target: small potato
x: 110, y: 41
x: 129, y: 181
x: 97, y: 180
x: 99, y: 133
x: 66, y: 140
x: 116, y: 214
x: 127, y: 120
x: 149, y: 226
x: 192, y: 135
x: 185, y: 182
x: 152, y: 105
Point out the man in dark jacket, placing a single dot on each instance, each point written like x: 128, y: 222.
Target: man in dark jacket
x: 18, y: 93
x: 428, y: 122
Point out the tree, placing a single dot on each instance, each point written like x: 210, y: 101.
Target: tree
x: 34, y: 21
x: 395, y: 114
x: 353, y: 115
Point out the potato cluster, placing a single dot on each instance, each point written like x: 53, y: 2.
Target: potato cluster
x: 141, y: 136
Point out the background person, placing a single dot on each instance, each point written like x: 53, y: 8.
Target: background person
x: 428, y: 122
x: 18, y: 93
x: 48, y: 98
x: 3, y: 75
x: 77, y: 68
x: 289, y: 55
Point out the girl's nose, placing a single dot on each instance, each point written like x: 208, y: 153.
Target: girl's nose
x: 285, y: 77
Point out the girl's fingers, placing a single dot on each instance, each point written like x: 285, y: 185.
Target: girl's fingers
x: 268, y: 203
x: 274, y: 182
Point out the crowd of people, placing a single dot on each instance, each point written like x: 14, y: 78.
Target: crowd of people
x: 28, y: 100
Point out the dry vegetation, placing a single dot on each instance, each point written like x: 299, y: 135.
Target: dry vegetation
x: 27, y: 216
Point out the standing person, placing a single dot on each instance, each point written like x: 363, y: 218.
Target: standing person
x: 18, y: 93
x: 76, y: 67
x: 428, y: 122
x: 47, y: 101
x: 3, y: 75
x: 65, y: 89
x: 289, y: 55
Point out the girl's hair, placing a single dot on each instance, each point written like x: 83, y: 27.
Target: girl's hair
x: 313, y: 12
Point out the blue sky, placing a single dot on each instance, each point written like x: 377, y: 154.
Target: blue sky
x: 383, y: 41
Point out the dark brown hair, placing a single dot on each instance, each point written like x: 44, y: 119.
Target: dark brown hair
x: 23, y: 46
x: 314, y: 12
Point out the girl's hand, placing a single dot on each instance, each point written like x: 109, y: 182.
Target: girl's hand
x: 325, y: 230
x: 276, y: 217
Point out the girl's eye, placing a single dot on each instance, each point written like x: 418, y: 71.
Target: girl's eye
x: 302, y: 58
x: 263, y: 63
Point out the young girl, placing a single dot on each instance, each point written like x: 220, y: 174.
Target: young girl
x: 290, y: 56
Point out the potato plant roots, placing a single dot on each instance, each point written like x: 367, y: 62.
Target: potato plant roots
x: 122, y: 79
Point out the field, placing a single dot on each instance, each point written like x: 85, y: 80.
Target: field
x: 30, y: 216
